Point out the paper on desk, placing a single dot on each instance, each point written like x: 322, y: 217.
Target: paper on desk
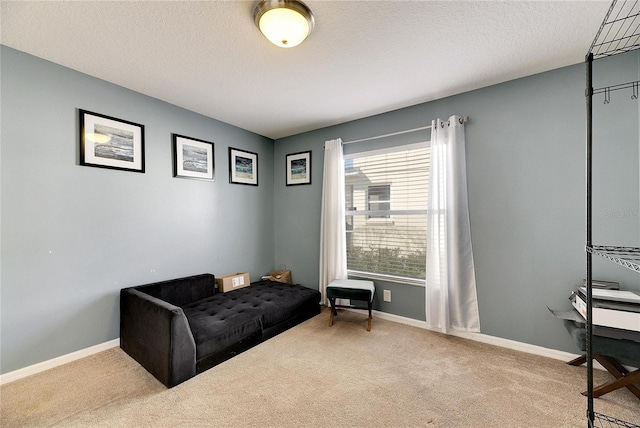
x: 615, y: 295
x: 571, y: 315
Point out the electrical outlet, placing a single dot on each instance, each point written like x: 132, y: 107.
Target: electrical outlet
x: 387, y: 295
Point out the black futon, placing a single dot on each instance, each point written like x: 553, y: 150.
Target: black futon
x: 176, y: 329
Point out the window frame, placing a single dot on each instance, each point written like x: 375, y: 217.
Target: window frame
x: 366, y: 153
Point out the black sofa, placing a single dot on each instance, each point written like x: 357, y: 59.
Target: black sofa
x: 178, y: 328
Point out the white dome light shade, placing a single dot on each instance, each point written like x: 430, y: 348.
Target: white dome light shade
x: 284, y: 27
x: 285, y: 23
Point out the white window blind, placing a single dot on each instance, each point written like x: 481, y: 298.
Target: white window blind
x: 386, y: 211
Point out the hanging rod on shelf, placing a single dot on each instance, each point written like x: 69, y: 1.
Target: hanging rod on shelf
x: 616, y: 87
x: 635, y: 87
x: 462, y: 120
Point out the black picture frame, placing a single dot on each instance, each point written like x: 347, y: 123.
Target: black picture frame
x: 193, y: 158
x: 109, y: 142
x: 243, y: 167
x: 298, y: 168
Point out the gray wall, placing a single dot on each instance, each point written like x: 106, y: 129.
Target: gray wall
x: 525, y: 165
x: 72, y: 235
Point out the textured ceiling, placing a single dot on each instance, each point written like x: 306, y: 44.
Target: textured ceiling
x: 363, y: 58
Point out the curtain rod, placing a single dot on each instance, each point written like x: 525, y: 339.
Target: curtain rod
x: 464, y: 120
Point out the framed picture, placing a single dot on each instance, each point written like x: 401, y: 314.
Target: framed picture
x: 107, y: 142
x: 243, y: 167
x: 193, y: 158
x: 298, y: 168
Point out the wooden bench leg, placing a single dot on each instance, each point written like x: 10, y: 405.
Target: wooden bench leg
x: 627, y: 381
x: 622, y: 377
x: 578, y: 361
x: 332, y: 309
x: 370, y: 317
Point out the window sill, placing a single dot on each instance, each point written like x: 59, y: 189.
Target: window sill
x: 387, y: 278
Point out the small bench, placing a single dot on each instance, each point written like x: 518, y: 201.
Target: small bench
x: 353, y: 290
x: 609, y: 352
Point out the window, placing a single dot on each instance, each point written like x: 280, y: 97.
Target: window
x: 386, y: 212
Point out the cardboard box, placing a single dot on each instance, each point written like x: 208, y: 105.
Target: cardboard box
x: 232, y: 281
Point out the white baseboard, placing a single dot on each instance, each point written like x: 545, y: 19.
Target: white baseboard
x: 479, y: 337
x: 490, y: 340
x: 55, y: 362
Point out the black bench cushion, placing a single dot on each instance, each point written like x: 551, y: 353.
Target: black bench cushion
x: 627, y: 351
x: 225, y: 318
x: 348, y: 293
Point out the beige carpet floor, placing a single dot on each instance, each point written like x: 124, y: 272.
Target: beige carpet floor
x: 317, y: 376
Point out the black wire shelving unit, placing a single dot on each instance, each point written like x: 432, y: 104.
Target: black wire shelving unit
x: 628, y: 257
x: 619, y: 33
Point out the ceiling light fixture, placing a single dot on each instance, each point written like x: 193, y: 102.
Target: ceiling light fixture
x: 286, y: 23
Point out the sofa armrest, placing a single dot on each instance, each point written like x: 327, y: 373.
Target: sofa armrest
x: 157, y: 335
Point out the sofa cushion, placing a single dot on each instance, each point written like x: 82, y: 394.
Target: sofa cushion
x: 280, y: 301
x: 224, y: 318
x: 216, y: 325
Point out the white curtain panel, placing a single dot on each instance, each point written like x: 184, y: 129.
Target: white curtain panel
x: 333, y: 248
x: 451, y: 299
